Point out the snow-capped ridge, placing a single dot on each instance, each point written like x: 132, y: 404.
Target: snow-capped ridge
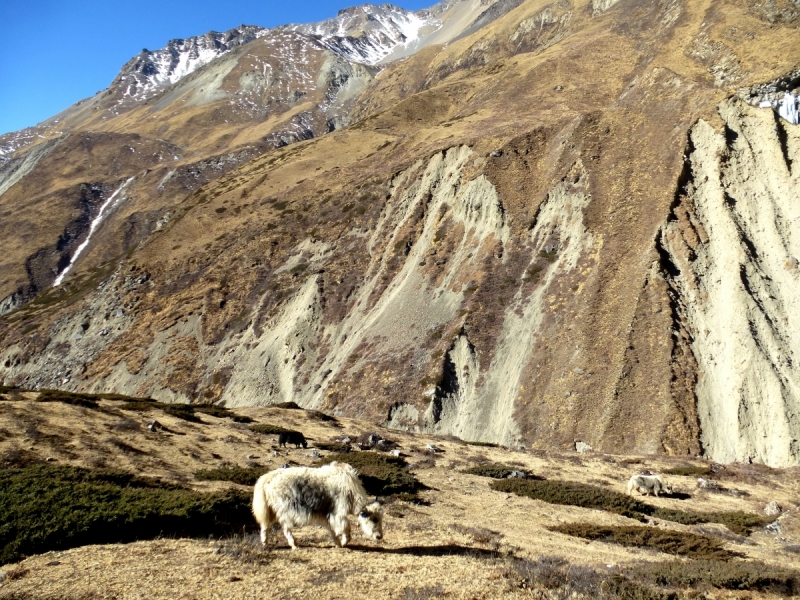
x: 369, y: 33
x: 153, y: 70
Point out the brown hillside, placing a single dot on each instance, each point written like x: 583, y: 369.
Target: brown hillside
x: 547, y: 232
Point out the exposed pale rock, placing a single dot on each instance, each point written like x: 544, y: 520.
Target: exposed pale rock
x: 733, y: 244
x: 772, y: 509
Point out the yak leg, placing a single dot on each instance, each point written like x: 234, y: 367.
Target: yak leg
x: 289, y: 537
x: 264, y: 531
x: 340, y: 529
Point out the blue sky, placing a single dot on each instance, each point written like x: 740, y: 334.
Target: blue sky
x: 56, y: 52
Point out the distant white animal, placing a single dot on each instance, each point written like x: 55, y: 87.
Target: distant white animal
x: 516, y: 475
x: 300, y: 496
x: 395, y: 452
x: 314, y: 453
x: 644, y: 484
x: 432, y: 448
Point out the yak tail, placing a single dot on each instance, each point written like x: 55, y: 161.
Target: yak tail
x: 261, y: 509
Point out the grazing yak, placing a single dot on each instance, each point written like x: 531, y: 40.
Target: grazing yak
x: 292, y: 437
x: 645, y: 484
x: 326, y: 495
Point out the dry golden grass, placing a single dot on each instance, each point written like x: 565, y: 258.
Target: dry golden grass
x: 463, y: 541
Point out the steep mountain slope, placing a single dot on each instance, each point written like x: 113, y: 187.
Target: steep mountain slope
x: 569, y: 225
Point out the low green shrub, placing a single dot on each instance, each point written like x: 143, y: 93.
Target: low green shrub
x: 220, y: 412
x: 320, y: 416
x: 574, y: 494
x: 680, y: 543
x: 290, y: 405
x: 483, y: 444
x: 493, y: 470
x: 333, y: 447
x: 268, y: 429
x: 589, y: 496
x: 85, y: 400
x: 381, y: 475
x: 48, y: 507
x: 240, y: 475
x: 187, y: 412
x: 724, y: 574
x: 554, y: 573
x: 181, y: 411
x: 690, y: 471
x: 140, y: 405
x: 121, y: 398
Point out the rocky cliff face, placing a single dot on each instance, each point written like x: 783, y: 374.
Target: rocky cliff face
x: 731, y: 246
x: 573, y: 224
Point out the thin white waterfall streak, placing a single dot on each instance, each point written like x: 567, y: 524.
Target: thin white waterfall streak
x: 104, y: 209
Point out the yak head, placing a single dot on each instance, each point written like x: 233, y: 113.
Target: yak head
x: 371, y: 520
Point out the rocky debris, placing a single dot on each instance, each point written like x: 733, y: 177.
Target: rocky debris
x: 517, y: 475
x: 432, y: 448
x: 772, y: 509
x: 707, y: 484
x: 154, y: 426
x: 314, y: 453
x: 774, y: 528
x: 368, y: 441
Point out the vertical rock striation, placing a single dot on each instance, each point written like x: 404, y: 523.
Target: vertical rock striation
x: 734, y: 242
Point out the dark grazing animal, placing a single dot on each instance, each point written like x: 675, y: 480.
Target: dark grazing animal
x: 292, y: 437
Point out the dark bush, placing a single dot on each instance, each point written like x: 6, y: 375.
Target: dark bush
x: 555, y: 573
x: 120, y: 398
x: 574, y: 494
x: 187, y: 412
x: 493, y: 470
x: 333, y: 446
x: 266, y: 428
x: 240, y: 475
x: 589, y: 496
x: 671, y: 542
x: 220, y: 412
x: 731, y: 575
x: 181, y: 411
x: 84, y: 400
x: 320, y: 416
x: 485, y: 444
x: 690, y: 471
x: 139, y: 405
x: 47, y: 507
x: 290, y: 405
x: 381, y: 475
